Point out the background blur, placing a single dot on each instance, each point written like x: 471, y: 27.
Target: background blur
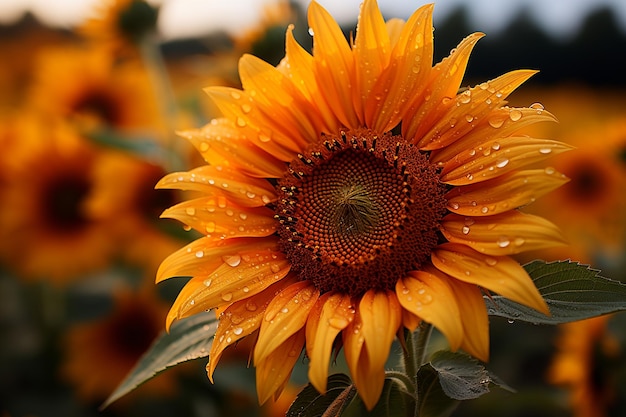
x: 92, y: 95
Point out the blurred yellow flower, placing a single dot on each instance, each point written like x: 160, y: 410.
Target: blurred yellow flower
x: 99, y: 354
x: 586, y: 352
x: 352, y: 193
x: 90, y: 88
x: 47, y: 180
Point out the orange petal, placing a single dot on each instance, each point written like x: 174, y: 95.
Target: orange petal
x: 299, y: 68
x: 353, y: 342
x: 499, y: 274
x: 273, y: 372
x: 203, y: 255
x: 506, y: 233
x: 381, y: 316
x: 239, y: 106
x: 472, y: 104
x: 444, y: 84
x: 333, y: 64
x: 503, y: 193
x: 207, y: 217
x: 222, y: 143
x: 405, y: 77
x: 500, y: 123
x: 240, y: 320
x: 473, y: 312
x: 240, y: 275
x: 284, y: 108
x: 222, y: 181
x: 286, y: 314
x: 432, y: 299
x: 372, y: 50
x: 497, y: 158
x: 333, y: 312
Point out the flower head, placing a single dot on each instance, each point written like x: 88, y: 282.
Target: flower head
x: 351, y: 193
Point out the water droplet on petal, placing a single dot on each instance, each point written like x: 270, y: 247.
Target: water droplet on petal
x: 537, y: 106
x: 191, y: 211
x: 503, y: 241
x: 241, y: 122
x: 232, y: 260
x: 199, y: 254
x: 545, y: 151
x: 515, y: 115
x: 251, y: 306
x: 519, y: 241
x: 227, y: 296
x: 465, y: 230
x: 496, y: 122
x: 502, y: 162
x: 549, y: 170
x: 484, y: 210
x: 491, y: 261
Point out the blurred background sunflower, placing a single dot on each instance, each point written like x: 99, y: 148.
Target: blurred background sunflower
x: 92, y: 95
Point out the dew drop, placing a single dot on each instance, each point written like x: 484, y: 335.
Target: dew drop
x: 227, y: 296
x: 311, y: 31
x: 515, y: 115
x: 519, y: 241
x: 503, y: 242
x: 238, y: 331
x: 465, y: 230
x: 472, y: 152
x: 199, y: 254
x: 250, y: 194
x: 495, y: 146
x: 496, y: 122
x: 469, y: 221
x: 469, y: 118
x: 545, y: 151
x: 232, y: 260
x: 502, y: 162
x: 511, y: 321
x: 251, y: 306
x: 243, y: 216
x: 465, y: 97
x: 454, y: 206
x: 208, y: 282
x: 469, y: 177
x: 491, y: 261
x: 484, y: 210
x: 235, y: 95
x: 190, y: 211
x: 246, y: 108
x: 284, y: 310
x: 338, y: 322
x: 274, y: 268
x: 241, y: 122
x: 192, y: 302
x: 549, y: 170
x: 537, y: 106
x: 210, y: 227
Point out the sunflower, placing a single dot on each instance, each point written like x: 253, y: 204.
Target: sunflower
x: 46, y: 182
x: 351, y: 193
x: 88, y: 87
x: 128, y: 202
x: 99, y: 353
x: 120, y: 24
x: 586, y: 355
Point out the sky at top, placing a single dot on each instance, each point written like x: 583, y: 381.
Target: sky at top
x: 188, y: 18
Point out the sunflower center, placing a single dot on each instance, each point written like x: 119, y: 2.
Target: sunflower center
x: 359, y: 212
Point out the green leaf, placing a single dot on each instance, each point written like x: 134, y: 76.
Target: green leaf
x: 395, y: 401
x: 310, y: 403
x: 461, y: 376
x: 572, y: 292
x: 188, y: 339
x: 432, y: 401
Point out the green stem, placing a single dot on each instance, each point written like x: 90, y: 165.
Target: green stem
x: 415, y: 354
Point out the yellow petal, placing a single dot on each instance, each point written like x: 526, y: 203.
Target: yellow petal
x: 381, y: 316
x: 353, y: 342
x: 240, y: 320
x: 444, y: 84
x: 300, y: 71
x: 474, y: 103
x: 286, y: 314
x: 203, y: 255
x: 507, y: 233
x: 497, y: 158
x: 503, y: 193
x: 500, y: 123
x: 333, y: 64
x: 222, y: 143
x: 222, y: 181
x: 238, y: 106
x: 207, y: 217
x: 240, y: 275
x: 499, y: 274
x: 473, y: 313
x: 283, y: 107
x: 273, y: 372
x: 372, y: 50
x: 333, y: 312
x: 432, y: 299
x: 404, y: 79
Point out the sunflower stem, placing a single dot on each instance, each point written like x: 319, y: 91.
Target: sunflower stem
x: 414, y: 355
